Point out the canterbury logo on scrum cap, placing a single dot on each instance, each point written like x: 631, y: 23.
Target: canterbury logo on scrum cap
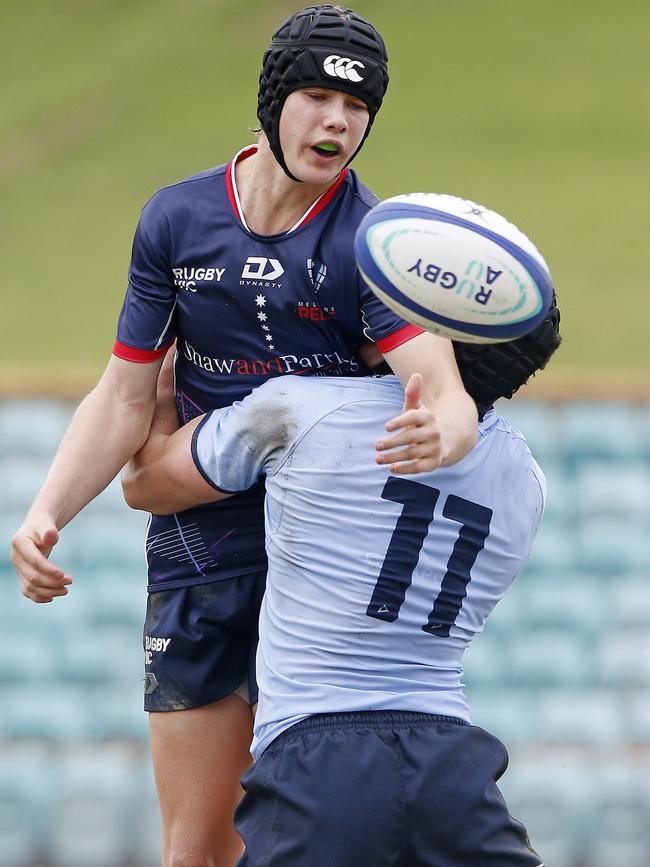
x: 342, y: 67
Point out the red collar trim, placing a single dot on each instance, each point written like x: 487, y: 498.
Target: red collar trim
x: 314, y: 209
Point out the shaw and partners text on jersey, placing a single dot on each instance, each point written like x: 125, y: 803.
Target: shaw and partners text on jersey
x: 317, y: 362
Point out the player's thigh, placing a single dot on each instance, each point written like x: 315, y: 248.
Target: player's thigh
x: 459, y: 817
x: 324, y: 793
x: 199, y: 756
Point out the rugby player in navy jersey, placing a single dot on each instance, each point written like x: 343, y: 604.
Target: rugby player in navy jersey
x: 365, y: 752
x: 250, y: 267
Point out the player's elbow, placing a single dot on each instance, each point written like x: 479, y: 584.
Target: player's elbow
x: 134, y: 489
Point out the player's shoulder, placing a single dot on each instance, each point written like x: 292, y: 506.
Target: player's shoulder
x: 306, y: 400
x: 184, y: 191
x: 503, y: 439
x: 360, y: 195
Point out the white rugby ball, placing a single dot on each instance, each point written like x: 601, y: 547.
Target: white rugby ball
x: 453, y: 267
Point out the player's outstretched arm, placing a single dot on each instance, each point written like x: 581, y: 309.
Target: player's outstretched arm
x: 109, y: 426
x: 438, y: 424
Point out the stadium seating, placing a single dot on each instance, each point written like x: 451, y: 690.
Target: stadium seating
x: 561, y: 673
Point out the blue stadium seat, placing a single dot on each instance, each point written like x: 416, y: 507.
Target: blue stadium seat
x: 552, y: 657
x: 92, y: 814
x: 602, y: 430
x: 22, y: 476
x: 624, y: 659
x: 614, y: 490
x: 628, y: 601
x: 592, y: 717
x: 102, y: 656
x: 26, y: 792
x: 568, y: 601
x: 118, y: 597
x: 26, y: 657
x: 33, y: 427
x: 620, y: 833
x: 51, y: 711
x: 111, y: 540
x: 117, y: 713
x: 613, y: 546
x: 638, y: 718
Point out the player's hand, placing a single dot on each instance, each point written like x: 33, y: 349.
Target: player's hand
x: 418, y: 443
x: 40, y: 580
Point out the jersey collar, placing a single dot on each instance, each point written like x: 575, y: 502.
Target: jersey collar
x: 233, y: 194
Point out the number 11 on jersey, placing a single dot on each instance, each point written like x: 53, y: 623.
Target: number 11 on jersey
x: 404, y: 548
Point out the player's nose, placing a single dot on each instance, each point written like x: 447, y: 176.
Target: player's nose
x: 336, y: 117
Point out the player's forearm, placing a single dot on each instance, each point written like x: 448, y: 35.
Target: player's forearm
x: 443, y: 393
x: 146, y: 479
x: 162, y: 478
x: 458, y: 420
x: 103, y: 434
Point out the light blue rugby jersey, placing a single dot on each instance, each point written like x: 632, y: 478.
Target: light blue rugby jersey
x: 376, y: 583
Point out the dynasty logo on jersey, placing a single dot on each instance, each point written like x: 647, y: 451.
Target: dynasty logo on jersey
x: 261, y: 268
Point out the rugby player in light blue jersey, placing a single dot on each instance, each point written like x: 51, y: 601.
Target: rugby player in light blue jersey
x: 365, y: 752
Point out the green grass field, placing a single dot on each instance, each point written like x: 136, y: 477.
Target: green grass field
x: 538, y: 110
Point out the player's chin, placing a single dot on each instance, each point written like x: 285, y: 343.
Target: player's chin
x: 316, y: 170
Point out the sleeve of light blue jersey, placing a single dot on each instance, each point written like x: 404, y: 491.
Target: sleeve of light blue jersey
x: 233, y: 448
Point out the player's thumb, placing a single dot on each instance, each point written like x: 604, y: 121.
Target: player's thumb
x: 413, y: 392
x: 48, y: 537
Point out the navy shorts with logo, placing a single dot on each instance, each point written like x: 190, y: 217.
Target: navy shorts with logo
x: 200, y: 642
x: 380, y: 789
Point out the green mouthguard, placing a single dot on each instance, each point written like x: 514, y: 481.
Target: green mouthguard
x: 328, y: 147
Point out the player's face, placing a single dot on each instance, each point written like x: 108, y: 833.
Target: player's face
x: 320, y: 129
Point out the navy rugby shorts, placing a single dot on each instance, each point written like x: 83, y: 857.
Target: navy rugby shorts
x: 380, y: 789
x: 200, y: 643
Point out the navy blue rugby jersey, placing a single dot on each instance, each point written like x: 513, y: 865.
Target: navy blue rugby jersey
x: 243, y: 308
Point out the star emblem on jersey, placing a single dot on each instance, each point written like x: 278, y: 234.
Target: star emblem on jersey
x: 260, y: 301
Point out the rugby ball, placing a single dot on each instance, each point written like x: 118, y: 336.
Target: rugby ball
x: 453, y: 267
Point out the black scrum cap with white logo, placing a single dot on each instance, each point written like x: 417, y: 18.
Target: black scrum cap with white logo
x: 321, y: 46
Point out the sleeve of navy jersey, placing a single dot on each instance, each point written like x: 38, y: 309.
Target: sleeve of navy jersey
x: 146, y: 322
x: 382, y: 326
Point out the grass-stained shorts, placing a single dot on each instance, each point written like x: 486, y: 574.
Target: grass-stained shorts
x: 200, y: 643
